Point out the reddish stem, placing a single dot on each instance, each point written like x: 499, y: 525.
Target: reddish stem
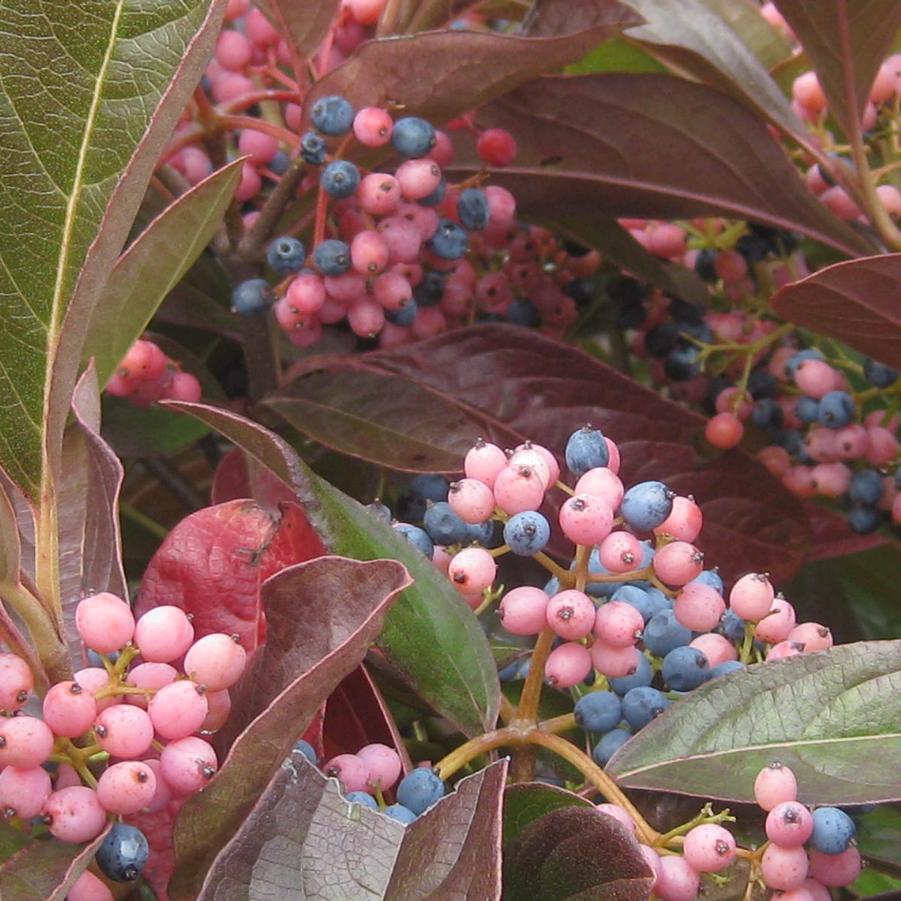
x: 261, y: 125
x: 321, y: 210
x: 245, y: 101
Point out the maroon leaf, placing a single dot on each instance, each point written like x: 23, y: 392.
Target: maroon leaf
x: 90, y: 543
x: 846, y: 41
x: 831, y: 537
x: 440, y: 74
x: 527, y: 801
x: 356, y: 715
x: 557, y: 857
x: 323, y: 616
x: 44, y: 869
x: 394, y: 422
x: 855, y: 302
x: 650, y: 145
x: 214, y: 562
x: 302, y: 25
x: 239, y: 476
x: 287, y: 847
x: 527, y: 386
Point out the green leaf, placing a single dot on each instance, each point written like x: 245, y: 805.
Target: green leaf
x: 770, y: 46
x: 85, y: 84
x: 879, y: 835
x: 430, y: 635
x: 200, y: 300
x: 153, y: 265
x: 528, y: 801
x: 834, y: 717
x: 616, y: 55
x: 137, y: 432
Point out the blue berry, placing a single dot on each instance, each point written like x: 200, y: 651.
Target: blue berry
x: 436, y: 196
x: 866, y: 487
x: 586, y: 449
x: 833, y: 830
x: 313, y: 148
x: 637, y: 598
x: 339, y: 179
x: 878, y: 374
x: 419, y: 538
x: 643, y: 675
x: 522, y: 311
x: 419, y: 790
x: 286, y: 255
x: 761, y: 384
x: 836, y: 410
x: 768, y: 415
x: 864, y: 519
x: 473, y: 209
x: 362, y: 798
x: 123, y: 853
x: 642, y: 704
x: 726, y: 667
x: 807, y: 409
x: 646, y: 505
x: 526, y: 533
x: 280, y: 163
x: 659, y: 601
x: 404, y: 316
x: 791, y: 367
x: 412, y: 137
x: 380, y: 511
x: 609, y: 745
x: 712, y: 578
x: 488, y: 534
x: 598, y: 711
x: 450, y: 241
x: 515, y: 671
x: 252, y: 296
x: 664, y: 633
x: 429, y: 487
x: 332, y: 115
x: 332, y: 257
x: 430, y: 290
x: 682, y: 362
x: 400, y: 813
x: 732, y: 626
x: 305, y: 749
x: 443, y: 525
x: 685, y: 669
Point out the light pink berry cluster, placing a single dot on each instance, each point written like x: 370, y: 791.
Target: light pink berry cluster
x: 375, y: 767
x: 146, y: 375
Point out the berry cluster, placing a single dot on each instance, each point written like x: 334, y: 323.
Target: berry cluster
x: 369, y: 775
x: 124, y: 736
x: 146, y: 375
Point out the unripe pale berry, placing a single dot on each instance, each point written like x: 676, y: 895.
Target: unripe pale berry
x: 618, y: 624
x: 752, y: 597
x: 69, y: 710
x: 25, y: 742
x: 602, y: 482
x: 835, y: 869
x: 699, y: 607
x: 618, y: 814
x: 716, y: 648
x: 614, y: 662
x: 586, y: 519
x: 124, y: 730
x: 384, y: 764
x: 813, y: 636
x: 571, y: 614
x: 709, y: 848
x: 23, y: 791
x: 163, y: 634
x: 351, y: 771
x: 188, y: 764
x: 178, y: 709
x: 216, y: 661
x: 778, y: 625
x: 472, y: 570
x: 567, y: 665
x: 523, y: 611
x: 104, y: 622
x: 518, y: 488
x: 789, y: 824
x: 127, y: 787
x: 678, y: 880
x: 16, y: 682
x: 678, y: 562
x: 74, y: 814
x: 775, y: 784
x: 620, y: 552
x: 471, y: 499
x: 784, y: 868
x: 684, y: 522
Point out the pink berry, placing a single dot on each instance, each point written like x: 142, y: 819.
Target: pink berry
x: 752, y: 597
x: 379, y: 194
x: 188, y: 764
x: 806, y: 90
x: 74, y: 814
x: 527, y: 455
x: 104, y: 622
x: 778, y: 625
x: 652, y: 859
x: 620, y: 552
x: 836, y: 869
x: 216, y: 661
x: 16, y: 682
x: 775, y: 784
x: 618, y: 814
x: 678, y: 562
x: 586, y: 519
x: 709, y: 848
x: 784, y: 868
x: 699, y: 607
x: 350, y: 771
x: 219, y: 706
x: 124, y: 731
x: 567, y: 665
x: 724, y: 430
x: 162, y: 794
x: 418, y: 178
x: 93, y: 679
x: 69, y: 710
x: 523, y: 611
x: 261, y: 148
x: 89, y: 887
x: 178, y: 709
x: 518, y: 488
x: 233, y: 50
x: 883, y: 447
x: 126, y: 787
x: 183, y: 387
x: 571, y: 614
x: 163, y: 634
x: 365, y: 318
x: 789, y: 824
x: 384, y: 764
x: 618, y: 624
x: 614, y: 662
x: 613, y: 450
x: 502, y: 206
x: 25, y: 742
x: 471, y: 499
x: 472, y: 570
x: 678, y: 880
x: 684, y: 522
x: 783, y: 649
x: 149, y: 676
x: 23, y: 791
x: 496, y: 147
x: 602, y: 482
x: 373, y: 126
x: 392, y: 291
x: 815, y: 377
x: 716, y: 648
x: 369, y: 253
x: 813, y: 636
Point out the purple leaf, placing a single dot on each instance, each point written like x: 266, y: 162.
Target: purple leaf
x: 302, y: 25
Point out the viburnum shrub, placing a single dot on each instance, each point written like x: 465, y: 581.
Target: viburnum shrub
x: 276, y: 621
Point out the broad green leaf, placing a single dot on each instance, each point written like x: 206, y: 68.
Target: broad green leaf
x: 153, y: 265
x: 528, y: 801
x: 137, y: 432
x: 84, y: 84
x: 879, y: 835
x: 200, y: 300
x: 616, y: 55
x: 430, y: 635
x: 770, y: 46
x: 834, y: 717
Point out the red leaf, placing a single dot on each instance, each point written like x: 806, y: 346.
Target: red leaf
x: 855, y: 302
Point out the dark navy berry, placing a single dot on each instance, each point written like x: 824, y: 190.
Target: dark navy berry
x: 878, y: 374
x: 450, y: 241
x: 643, y: 676
x: 412, y: 137
x: 123, y: 853
x: 527, y: 533
x: 363, y: 799
x: 400, y: 813
x: 339, y: 179
x: 419, y: 790
x: 429, y: 291
x: 664, y: 633
x: 833, y: 830
x: 685, y: 668
x: 430, y: 487
x: 332, y: 257
x: 404, y: 316
x: 636, y: 597
x: 488, y: 534
x: 682, y: 363
x: 704, y: 264
x: 807, y: 409
x: 768, y: 415
x: 332, y: 115
x: 313, y: 148
x: 791, y: 367
x: 522, y: 311
x: 642, y: 704
x: 712, y: 578
x: 863, y: 519
x: 252, y: 296
x: 280, y: 163
x: 305, y: 749
x: 866, y: 487
x: 609, y: 745
x: 732, y: 626
x: 515, y: 671
x: 836, y: 410
x: 761, y: 384
x: 586, y: 449
x: 436, y: 196
x: 443, y: 525
x: 419, y: 538
x: 598, y: 711
x: 661, y: 339
x: 473, y: 209
x: 286, y: 255
x: 646, y: 505
x: 726, y: 667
